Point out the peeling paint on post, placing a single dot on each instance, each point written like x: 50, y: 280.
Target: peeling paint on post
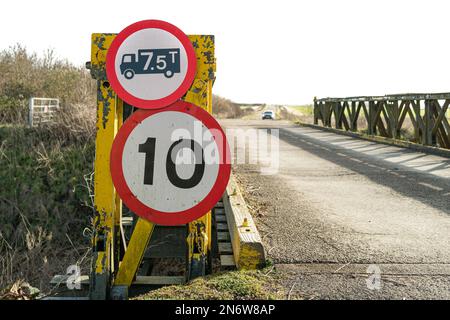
x: 109, y: 111
x: 200, y: 94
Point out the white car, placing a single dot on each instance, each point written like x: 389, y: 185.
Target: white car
x: 268, y: 115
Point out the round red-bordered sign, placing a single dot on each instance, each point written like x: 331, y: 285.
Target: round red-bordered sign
x: 151, y: 64
x: 159, y: 201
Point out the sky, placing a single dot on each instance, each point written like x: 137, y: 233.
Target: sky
x: 276, y: 52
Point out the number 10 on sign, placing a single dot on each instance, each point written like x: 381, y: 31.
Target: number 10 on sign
x: 164, y: 170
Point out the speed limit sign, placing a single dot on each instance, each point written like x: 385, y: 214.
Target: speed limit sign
x: 151, y: 64
x: 170, y: 166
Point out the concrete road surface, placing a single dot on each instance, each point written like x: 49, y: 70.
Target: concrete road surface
x: 345, y: 218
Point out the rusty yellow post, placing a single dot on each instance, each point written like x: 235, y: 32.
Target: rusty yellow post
x: 200, y: 94
x: 119, y: 244
x: 107, y: 205
x: 135, y: 252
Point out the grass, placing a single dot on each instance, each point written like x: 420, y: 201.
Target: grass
x: 45, y: 172
x: 234, y: 285
x: 306, y: 110
x: 45, y: 203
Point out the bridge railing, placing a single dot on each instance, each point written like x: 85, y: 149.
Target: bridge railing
x: 419, y: 118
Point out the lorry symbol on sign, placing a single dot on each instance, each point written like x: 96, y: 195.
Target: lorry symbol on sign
x: 151, y: 61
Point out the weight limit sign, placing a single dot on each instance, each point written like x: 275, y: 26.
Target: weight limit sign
x: 170, y: 166
x: 151, y: 64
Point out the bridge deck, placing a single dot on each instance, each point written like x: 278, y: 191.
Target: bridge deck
x: 343, y: 202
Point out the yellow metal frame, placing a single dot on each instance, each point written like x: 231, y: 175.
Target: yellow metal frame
x: 107, y: 242
x: 200, y: 94
x: 106, y: 222
x: 135, y: 252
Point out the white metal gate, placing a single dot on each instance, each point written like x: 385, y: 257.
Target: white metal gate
x: 42, y: 110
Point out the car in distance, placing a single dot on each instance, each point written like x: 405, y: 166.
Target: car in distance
x: 268, y: 115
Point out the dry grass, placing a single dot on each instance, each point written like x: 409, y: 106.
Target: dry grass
x: 295, y: 114
x: 45, y: 171
x: 45, y: 198
x: 25, y: 75
x: 235, y: 285
x: 226, y: 109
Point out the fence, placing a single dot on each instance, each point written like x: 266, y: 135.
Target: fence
x: 420, y: 118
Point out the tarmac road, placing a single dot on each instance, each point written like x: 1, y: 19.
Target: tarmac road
x: 340, y: 211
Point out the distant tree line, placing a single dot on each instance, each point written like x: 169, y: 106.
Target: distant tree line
x: 225, y: 108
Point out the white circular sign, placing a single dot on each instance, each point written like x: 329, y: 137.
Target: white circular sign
x: 170, y: 166
x: 151, y: 64
x: 154, y: 137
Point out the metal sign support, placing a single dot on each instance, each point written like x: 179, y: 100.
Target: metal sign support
x: 115, y: 263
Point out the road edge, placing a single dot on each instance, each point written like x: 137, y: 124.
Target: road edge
x: 248, y: 249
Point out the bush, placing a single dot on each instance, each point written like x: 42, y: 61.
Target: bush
x: 25, y: 75
x: 44, y: 202
x: 224, y: 108
x: 45, y: 172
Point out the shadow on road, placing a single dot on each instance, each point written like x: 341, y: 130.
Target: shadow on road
x: 429, y: 189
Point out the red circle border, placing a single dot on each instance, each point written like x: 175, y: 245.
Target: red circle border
x: 142, y: 103
x: 170, y: 218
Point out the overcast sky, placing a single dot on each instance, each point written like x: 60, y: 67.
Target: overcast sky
x: 283, y: 52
